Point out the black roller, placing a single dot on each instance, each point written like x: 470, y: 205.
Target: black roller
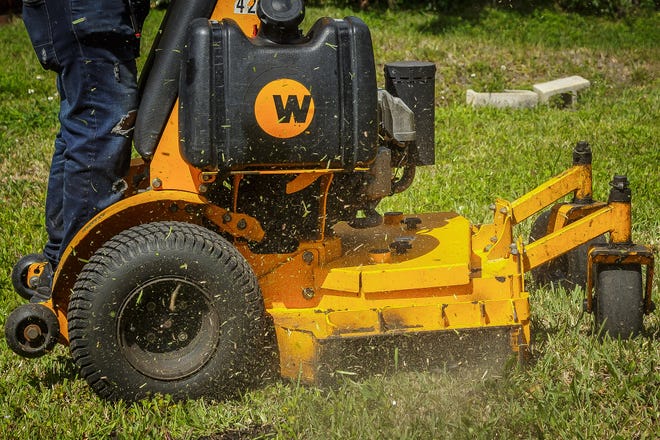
x: 32, y: 330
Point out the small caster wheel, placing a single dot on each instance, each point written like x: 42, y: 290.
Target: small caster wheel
x: 23, y: 270
x: 619, y: 310
x: 32, y: 330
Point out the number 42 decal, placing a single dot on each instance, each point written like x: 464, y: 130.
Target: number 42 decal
x: 245, y: 7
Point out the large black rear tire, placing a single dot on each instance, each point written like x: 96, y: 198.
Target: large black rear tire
x: 168, y: 308
x: 619, y: 300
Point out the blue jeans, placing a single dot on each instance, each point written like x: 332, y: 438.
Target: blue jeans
x: 92, y: 46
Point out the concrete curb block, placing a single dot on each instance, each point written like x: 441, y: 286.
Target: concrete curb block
x: 542, y: 92
x: 569, y: 85
x: 508, y: 98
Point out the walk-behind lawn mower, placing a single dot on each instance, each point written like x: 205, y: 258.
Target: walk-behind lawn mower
x: 250, y: 237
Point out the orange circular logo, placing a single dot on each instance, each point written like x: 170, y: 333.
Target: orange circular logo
x: 284, y: 108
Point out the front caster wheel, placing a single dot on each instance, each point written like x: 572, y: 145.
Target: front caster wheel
x: 32, y: 330
x: 619, y: 300
x: 168, y: 308
x: 21, y: 272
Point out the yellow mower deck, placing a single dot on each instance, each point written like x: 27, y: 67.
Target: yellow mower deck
x: 333, y: 290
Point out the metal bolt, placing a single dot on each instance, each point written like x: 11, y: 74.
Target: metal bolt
x: 156, y: 183
x: 412, y: 223
x: 203, y: 188
x: 514, y: 248
x: 503, y: 211
x: 620, y: 182
x: 582, y: 146
x: 308, y: 293
x: 226, y: 218
x: 32, y: 332
x: 401, y: 245
x: 582, y: 153
x: 242, y: 224
x: 308, y: 257
x: 492, y: 207
x: 620, y: 191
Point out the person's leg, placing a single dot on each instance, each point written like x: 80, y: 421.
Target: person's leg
x: 46, y: 23
x: 98, y: 91
x: 97, y: 125
x: 54, y: 195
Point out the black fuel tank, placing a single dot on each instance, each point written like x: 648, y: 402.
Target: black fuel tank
x: 250, y: 102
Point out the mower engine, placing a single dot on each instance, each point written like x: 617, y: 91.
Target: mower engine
x: 281, y: 109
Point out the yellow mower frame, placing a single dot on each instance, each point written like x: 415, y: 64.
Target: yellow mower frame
x: 455, y: 278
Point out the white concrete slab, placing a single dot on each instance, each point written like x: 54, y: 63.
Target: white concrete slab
x: 508, y: 98
x: 570, y: 84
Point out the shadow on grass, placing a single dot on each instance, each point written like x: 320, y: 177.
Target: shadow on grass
x: 449, y: 13
x: 249, y: 432
x: 458, y: 14
x: 545, y: 329
x: 60, y: 370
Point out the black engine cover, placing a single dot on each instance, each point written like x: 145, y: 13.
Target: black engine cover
x: 251, y: 103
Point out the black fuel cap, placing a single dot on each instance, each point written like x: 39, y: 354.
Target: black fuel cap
x: 280, y: 18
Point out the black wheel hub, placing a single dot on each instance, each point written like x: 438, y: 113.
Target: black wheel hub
x: 167, y: 329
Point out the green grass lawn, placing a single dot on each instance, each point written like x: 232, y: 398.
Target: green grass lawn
x: 574, y: 385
